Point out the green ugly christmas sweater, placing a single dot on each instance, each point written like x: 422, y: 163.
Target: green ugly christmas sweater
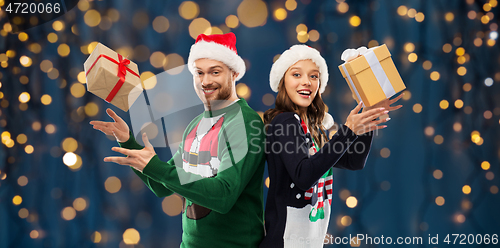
x: 218, y: 169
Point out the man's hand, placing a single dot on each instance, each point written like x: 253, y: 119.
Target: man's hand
x: 117, y: 128
x: 137, y: 159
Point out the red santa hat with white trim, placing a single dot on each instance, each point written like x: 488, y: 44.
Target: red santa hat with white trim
x: 220, y: 47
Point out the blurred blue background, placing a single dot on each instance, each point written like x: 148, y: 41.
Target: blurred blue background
x: 433, y: 171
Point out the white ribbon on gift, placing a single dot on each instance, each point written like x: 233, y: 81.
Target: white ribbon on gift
x: 352, y: 84
x: 375, y: 65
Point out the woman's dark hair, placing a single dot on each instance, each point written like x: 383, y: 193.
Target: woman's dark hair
x: 315, y: 112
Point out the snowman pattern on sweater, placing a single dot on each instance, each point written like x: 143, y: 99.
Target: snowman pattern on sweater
x: 323, y: 187
x: 307, y: 226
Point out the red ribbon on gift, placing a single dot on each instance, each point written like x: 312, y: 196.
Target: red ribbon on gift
x: 122, y: 71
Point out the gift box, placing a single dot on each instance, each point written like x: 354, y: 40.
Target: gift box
x: 372, y: 77
x: 112, y: 77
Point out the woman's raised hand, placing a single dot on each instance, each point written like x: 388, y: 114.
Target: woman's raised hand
x: 365, y: 122
x: 117, y: 128
x: 387, y: 104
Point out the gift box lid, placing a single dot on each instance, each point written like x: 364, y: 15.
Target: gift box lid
x: 360, y: 64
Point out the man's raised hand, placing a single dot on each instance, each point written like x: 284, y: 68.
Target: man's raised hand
x: 118, y: 128
x: 137, y: 159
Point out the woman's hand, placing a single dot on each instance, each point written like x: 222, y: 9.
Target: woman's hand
x: 386, y: 104
x: 365, y: 121
x: 138, y: 159
x: 117, y: 128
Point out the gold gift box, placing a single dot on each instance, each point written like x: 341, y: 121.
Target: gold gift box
x: 101, y: 70
x: 363, y: 82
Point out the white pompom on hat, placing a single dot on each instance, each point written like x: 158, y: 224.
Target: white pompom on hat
x: 220, y: 47
x: 328, y: 121
x: 292, y: 56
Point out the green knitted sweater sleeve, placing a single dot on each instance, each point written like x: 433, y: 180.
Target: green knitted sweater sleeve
x: 158, y: 189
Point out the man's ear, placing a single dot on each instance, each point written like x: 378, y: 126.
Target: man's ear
x: 235, y: 75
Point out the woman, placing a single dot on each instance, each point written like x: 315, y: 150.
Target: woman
x: 300, y: 157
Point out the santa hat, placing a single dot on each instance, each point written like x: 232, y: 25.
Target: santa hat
x: 292, y: 56
x: 220, y: 47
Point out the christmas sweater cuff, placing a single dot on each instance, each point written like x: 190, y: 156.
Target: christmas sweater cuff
x: 155, y: 169
x: 131, y: 143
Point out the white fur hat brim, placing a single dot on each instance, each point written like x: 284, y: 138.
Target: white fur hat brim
x: 215, y: 51
x: 293, y: 55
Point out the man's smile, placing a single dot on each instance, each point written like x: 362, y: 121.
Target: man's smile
x: 209, y: 91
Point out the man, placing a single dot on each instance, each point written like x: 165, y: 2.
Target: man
x: 217, y: 168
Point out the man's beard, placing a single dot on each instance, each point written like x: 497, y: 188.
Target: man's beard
x: 221, y: 99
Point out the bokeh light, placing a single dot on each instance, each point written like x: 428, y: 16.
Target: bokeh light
x: 17, y: 200
x: 449, y: 16
x: 466, y: 189
x: 161, y: 24
x: 435, y: 76
x: 243, y: 91
x: 172, y: 205
x: 199, y: 26
x: 25, y: 61
x: 290, y: 5
x: 131, y: 236
x: 485, y: 165
x: 79, y: 204
x: 189, y: 10
x: 459, y: 103
x: 69, y: 159
x: 113, y: 184
x: 58, y: 25
x: 22, y: 36
x: 443, y: 104
x: 342, y: 7
x: 385, y: 152
x: 92, y: 18
x: 69, y: 144
x: 409, y: 47
x: 346, y: 220
x: 24, y: 97
x: 49, y: 128
x: 96, y: 237
x: 68, y: 213
x: 63, y: 50
x: 232, y: 21
x: 252, y: 13
x: 439, y: 201
x: 437, y: 174
x: 280, y: 14
x: 23, y: 213
x: 351, y: 202
x: 402, y: 10
x: 46, y: 99
x: 417, y: 108
x: 355, y: 21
